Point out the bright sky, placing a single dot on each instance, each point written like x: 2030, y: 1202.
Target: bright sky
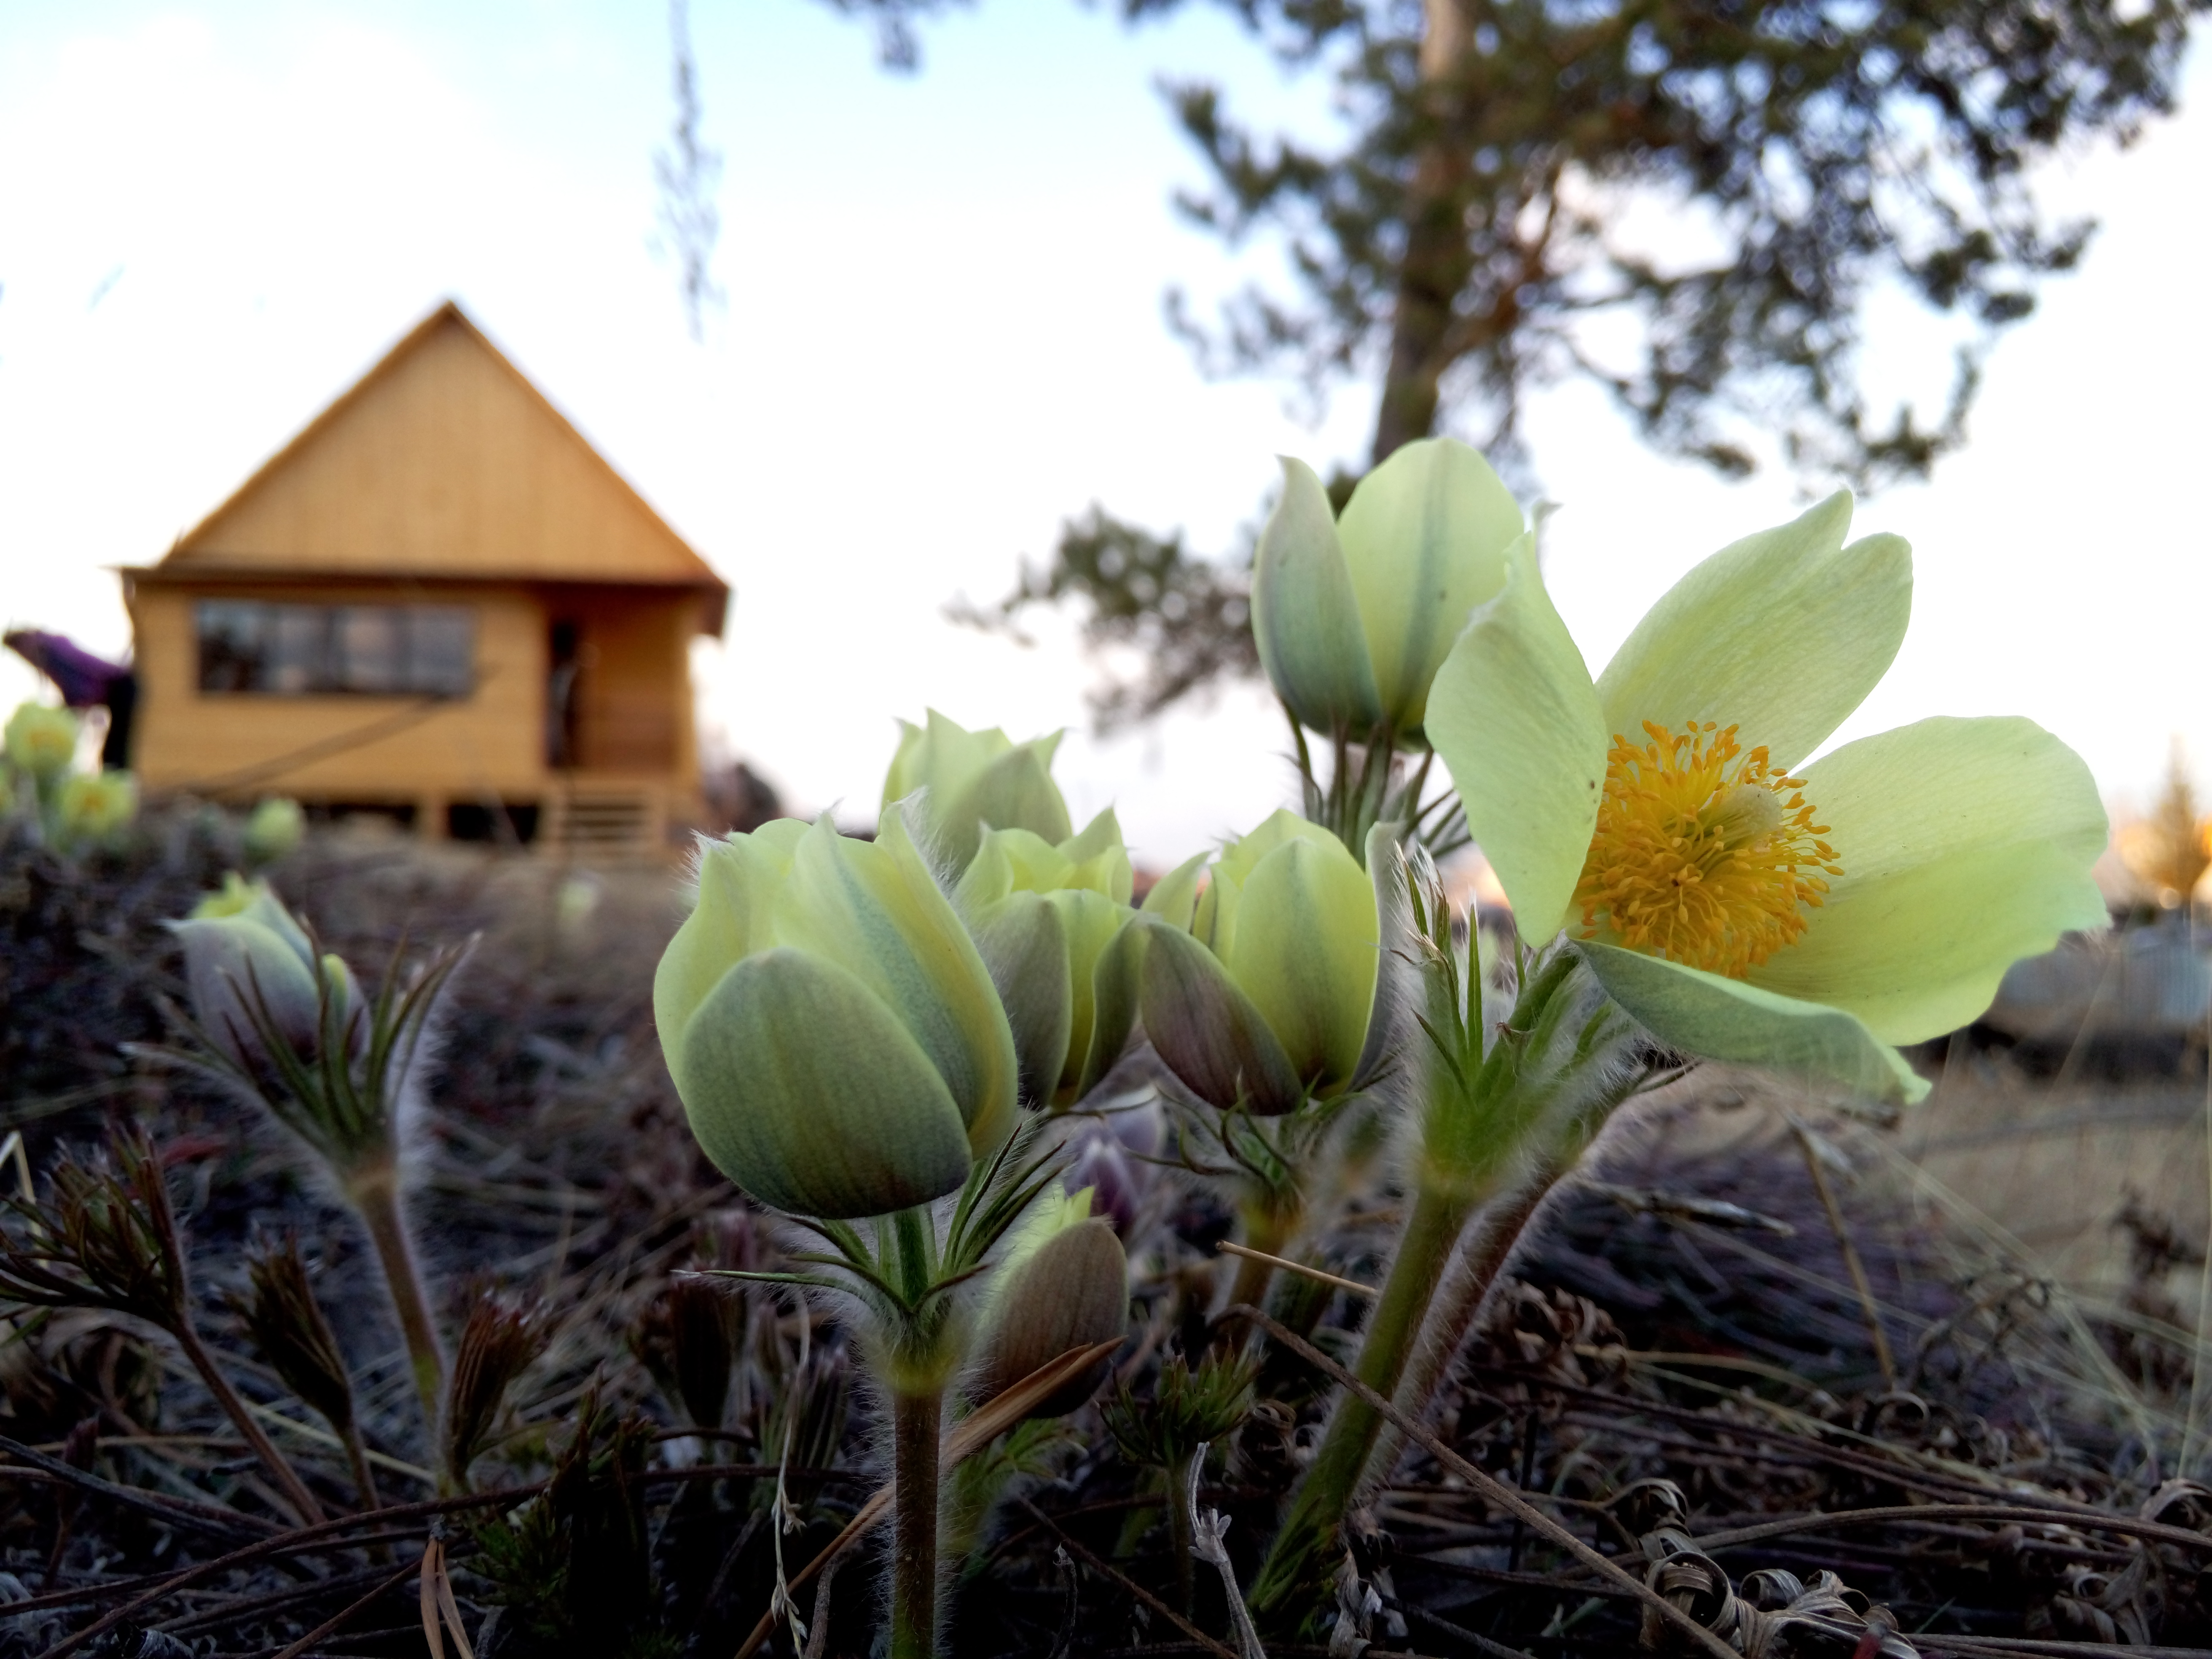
x: 943, y: 337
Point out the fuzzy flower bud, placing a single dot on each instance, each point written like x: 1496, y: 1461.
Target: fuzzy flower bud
x: 1354, y: 615
x: 1063, y: 1285
x: 275, y: 828
x: 242, y: 948
x: 975, y: 779
x: 1112, y: 1157
x: 834, y: 1035
x: 41, y: 741
x: 1043, y: 916
x: 94, y: 808
x: 1259, y: 991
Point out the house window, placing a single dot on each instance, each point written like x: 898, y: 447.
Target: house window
x: 302, y: 650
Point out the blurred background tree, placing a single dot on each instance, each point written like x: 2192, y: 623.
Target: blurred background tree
x: 1482, y: 227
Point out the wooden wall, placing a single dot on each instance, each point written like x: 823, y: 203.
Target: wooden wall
x: 635, y: 703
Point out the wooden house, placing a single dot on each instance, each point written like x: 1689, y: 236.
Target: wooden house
x: 438, y: 602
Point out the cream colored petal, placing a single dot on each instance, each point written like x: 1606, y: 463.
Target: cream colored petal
x: 1719, y: 1018
x: 1424, y: 538
x: 1305, y: 950
x: 874, y: 909
x: 808, y: 1093
x: 1515, y: 719
x: 1305, y: 617
x: 1174, y: 896
x: 1781, y: 634
x: 1966, y: 846
x: 729, y: 920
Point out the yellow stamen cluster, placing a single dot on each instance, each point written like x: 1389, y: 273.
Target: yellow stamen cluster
x: 1704, y: 854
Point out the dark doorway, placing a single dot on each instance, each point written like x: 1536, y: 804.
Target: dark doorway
x: 564, y: 666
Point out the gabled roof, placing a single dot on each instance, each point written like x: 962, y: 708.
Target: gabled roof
x: 442, y: 462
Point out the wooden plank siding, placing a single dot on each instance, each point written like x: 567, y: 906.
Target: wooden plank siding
x: 442, y: 460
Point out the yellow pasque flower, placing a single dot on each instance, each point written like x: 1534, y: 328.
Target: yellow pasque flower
x: 1743, y: 904
x: 41, y: 741
x: 95, y: 806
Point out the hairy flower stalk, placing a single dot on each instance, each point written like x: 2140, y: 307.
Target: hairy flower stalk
x: 1484, y: 1095
x: 904, y: 1278
x: 1259, y: 981
x: 285, y: 1025
x: 843, y: 1055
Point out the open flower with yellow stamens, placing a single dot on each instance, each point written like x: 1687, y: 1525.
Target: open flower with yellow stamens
x: 1743, y: 904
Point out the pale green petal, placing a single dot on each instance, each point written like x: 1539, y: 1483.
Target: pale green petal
x: 1206, y: 1031
x: 728, y: 921
x: 1398, y: 980
x: 943, y: 756
x: 874, y: 909
x: 1515, y: 718
x: 990, y: 875
x: 1091, y: 922
x: 1725, y: 1019
x: 1966, y: 846
x: 1024, y: 941
x: 1424, y: 538
x: 1304, y: 950
x: 1174, y: 896
x: 1102, y: 833
x: 1014, y: 792
x: 807, y: 1091
x: 1214, y: 922
x: 1117, y: 990
x: 1305, y: 617
x: 1101, y: 861
x: 1781, y: 634
x: 1279, y: 829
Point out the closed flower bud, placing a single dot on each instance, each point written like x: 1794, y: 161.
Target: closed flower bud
x: 834, y: 1035
x: 975, y: 779
x: 41, y: 741
x: 275, y: 828
x: 246, y: 957
x: 1354, y: 615
x: 94, y: 807
x: 1063, y: 1285
x: 1259, y: 991
x: 1043, y: 916
x: 1113, y: 1156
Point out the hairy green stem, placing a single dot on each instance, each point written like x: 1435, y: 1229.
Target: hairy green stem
x: 375, y: 1195
x: 1308, y: 1533
x: 1497, y: 1231
x: 1268, y: 1231
x: 1179, y: 1538
x: 916, y: 1426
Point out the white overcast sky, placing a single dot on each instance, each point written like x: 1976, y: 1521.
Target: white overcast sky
x: 944, y: 335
